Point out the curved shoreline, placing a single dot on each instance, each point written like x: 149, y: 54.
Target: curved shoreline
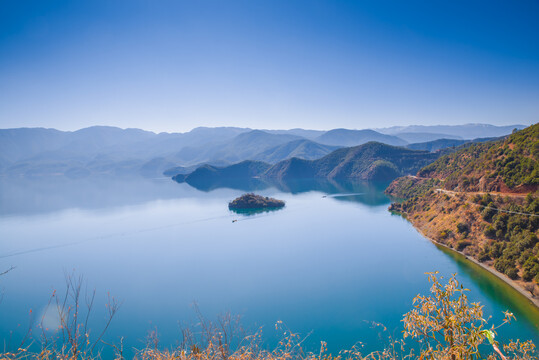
x: 533, y: 300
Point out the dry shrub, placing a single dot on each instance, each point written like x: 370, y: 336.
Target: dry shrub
x: 441, y: 326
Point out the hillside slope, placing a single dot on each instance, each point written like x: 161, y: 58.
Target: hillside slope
x: 436, y: 145
x: 237, y: 176
x: 302, y: 148
x: 482, y: 201
x: 466, y: 131
x: 452, y: 144
x: 418, y: 137
x: 507, y: 165
x: 240, y: 148
x: 345, y: 137
x: 98, y: 149
x: 371, y: 161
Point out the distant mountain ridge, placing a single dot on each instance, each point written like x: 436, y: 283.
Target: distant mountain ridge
x: 345, y: 137
x: 301, y: 148
x: 419, y: 137
x: 243, y: 170
x: 440, y: 144
x: 466, y: 131
x: 241, y: 147
x: 115, y: 151
x: 369, y: 162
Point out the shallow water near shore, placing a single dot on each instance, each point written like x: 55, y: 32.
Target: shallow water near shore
x: 331, y: 263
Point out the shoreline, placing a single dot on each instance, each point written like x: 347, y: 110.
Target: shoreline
x: 533, y: 300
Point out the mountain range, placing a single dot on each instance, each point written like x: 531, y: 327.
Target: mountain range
x: 372, y: 161
x: 466, y: 131
x: 110, y: 150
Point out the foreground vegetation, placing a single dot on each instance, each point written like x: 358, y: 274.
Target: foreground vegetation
x: 482, y: 201
x: 441, y: 325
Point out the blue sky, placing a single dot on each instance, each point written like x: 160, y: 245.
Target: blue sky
x: 175, y: 65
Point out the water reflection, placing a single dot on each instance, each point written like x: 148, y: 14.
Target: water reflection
x: 369, y: 193
x: 251, y: 212
x: 243, y: 184
x: 37, y: 195
x: 27, y: 196
x: 331, y: 260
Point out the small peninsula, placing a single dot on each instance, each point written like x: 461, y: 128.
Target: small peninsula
x: 252, y: 201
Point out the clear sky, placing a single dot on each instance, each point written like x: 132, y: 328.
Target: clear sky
x: 174, y: 65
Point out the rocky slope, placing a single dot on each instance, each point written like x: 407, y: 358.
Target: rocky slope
x: 482, y: 201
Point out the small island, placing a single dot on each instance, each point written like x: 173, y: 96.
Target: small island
x: 252, y: 201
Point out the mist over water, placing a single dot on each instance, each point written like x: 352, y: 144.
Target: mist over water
x: 330, y: 263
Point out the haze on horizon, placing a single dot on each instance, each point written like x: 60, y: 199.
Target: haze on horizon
x: 176, y: 65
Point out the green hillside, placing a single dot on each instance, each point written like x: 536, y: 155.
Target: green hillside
x: 509, y: 164
x: 370, y: 161
x: 482, y: 201
x: 302, y: 148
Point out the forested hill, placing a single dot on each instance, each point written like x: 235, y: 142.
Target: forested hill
x: 506, y: 165
x: 244, y: 170
x: 370, y: 161
x: 482, y: 201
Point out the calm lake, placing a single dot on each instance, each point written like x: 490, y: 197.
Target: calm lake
x: 329, y: 264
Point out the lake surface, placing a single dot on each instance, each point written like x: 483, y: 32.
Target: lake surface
x: 330, y: 263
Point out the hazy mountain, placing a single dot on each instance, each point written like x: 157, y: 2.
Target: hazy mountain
x: 167, y: 144
x: 201, y: 135
x: 442, y: 144
x: 17, y: 144
x: 95, y: 138
x: 110, y: 150
x: 24, y: 143
x: 241, y: 147
x: 99, y: 149
x: 371, y: 161
x: 412, y: 137
x: 304, y: 149
x: 467, y: 131
x: 308, y: 134
x: 436, y: 144
x: 344, y: 137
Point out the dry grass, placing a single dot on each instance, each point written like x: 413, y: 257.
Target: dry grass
x: 442, y: 325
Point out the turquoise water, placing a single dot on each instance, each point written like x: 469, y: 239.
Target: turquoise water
x: 330, y: 263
